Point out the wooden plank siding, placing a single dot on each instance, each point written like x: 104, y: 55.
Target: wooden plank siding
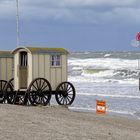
x: 9, y: 68
x: 39, y: 65
x: 53, y: 77
x: 35, y: 66
x: 6, y: 68
x: 3, y: 69
x: 47, y: 68
x: 42, y: 68
x: 64, y: 68
x: 58, y: 76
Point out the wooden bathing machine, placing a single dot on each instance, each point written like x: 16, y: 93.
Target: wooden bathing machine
x: 6, y: 65
x: 30, y: 76
x: 30, y: 63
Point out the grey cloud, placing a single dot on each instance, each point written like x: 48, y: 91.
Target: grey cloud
x: 75, y: 11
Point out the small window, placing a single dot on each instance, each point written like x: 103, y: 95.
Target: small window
x: 55, y: 60
x: 23, y: 59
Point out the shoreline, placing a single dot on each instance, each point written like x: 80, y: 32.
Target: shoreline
x: 110, y: 113
x: 60, y: 123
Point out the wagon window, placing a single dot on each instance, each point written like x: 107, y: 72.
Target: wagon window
x: 55, y: 60
x: 23, y: 59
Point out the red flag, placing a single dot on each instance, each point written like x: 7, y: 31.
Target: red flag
x: 138, y: 37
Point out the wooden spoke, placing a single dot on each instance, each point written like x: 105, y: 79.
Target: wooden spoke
x: 9, y: 91
x: 39, y: 91
x: 68, y: 99
x: 65, y: 93
x: 33, y: 97
x: 37, y: 84
x: 43, y: 84
x: 44, y: 87
x: 2, y: 90
x: 61, y: 99
x: 35, y: 88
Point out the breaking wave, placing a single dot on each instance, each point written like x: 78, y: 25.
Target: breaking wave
x: 110, y: 95
x: 109, y: 76
x: 104, y: 69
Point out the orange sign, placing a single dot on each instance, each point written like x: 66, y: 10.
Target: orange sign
x: 100, y: 107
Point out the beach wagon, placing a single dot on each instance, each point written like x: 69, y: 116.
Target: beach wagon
x: 30, y: 76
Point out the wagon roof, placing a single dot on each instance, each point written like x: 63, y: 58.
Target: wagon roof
x: 43, y: 50
x: 47, y: 50
x: 5, y: 54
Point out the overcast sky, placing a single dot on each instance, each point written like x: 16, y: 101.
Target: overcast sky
x: 77, y: 25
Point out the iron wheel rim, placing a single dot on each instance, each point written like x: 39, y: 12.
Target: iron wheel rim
x: 65, y: 93
x: 9, y: 91
x: 39, y: 92
x: 3, y: 84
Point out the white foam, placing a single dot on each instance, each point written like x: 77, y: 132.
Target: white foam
x: 107, y: 55
x: 106, y: 73
x: 105, y: 63
x: 101, y: 80
x: 121, y: 112
x: 81, y: 108
x: 77, y: 68
x: 108, y: 110
x: 109, y: 95
x: 103, y: 70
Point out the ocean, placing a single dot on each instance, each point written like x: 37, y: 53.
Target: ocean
x: 109, y: 76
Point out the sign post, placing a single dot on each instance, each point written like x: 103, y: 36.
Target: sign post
x: 138, y: 39
x: 136, y: 43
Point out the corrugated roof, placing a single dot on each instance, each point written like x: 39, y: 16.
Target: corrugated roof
x: 42, y: 50
x: 6, y: 54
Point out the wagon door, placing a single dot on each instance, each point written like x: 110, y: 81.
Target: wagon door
x: 23, y: 70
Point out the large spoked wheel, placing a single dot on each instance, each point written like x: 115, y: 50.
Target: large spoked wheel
x: 2, y: 89
x: 65, y: 93
x: 9, y: 91
x: 39, y: 92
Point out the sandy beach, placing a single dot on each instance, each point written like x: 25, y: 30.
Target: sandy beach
x: 60, y: 123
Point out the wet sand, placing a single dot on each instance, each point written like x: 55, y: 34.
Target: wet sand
x: 60, y: 123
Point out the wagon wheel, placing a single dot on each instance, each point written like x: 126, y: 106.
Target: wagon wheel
x: 65, y: 93
x: 9, y: 91
x: 2, y: 89
x: 39, y: 92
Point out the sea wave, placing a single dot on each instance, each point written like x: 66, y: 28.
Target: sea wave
x: 108, y: 110
x: 110, y: 95
x: 103, y: 70
x: 102, y: 81
x: 103, y: 63
x: 117, y: 73
x: 107, y: 55
x: 106, y: 75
